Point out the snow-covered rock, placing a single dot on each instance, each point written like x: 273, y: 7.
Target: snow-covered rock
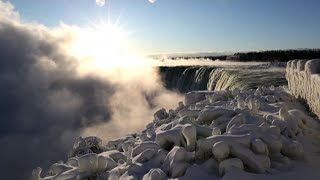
x: 215, y: 134
x: 86, y: 145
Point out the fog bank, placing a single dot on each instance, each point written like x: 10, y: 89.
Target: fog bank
x: 47, y: 100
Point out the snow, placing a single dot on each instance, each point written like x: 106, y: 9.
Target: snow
x: 257, y: 134
x: 304, y: 81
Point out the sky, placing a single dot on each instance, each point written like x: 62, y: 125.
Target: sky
x: 191, y: 25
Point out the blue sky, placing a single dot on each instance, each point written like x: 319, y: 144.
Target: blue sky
x: 192, y: 25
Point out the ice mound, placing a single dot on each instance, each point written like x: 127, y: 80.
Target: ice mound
x: 211, y: 136
x: 304, y: 81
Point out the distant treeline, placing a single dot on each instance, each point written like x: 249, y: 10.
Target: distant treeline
x: 278, y: 55
x: 271, y: 55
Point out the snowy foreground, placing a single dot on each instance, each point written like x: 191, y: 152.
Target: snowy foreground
x: 257, y: 134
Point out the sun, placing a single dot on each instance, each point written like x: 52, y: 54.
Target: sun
x: 104, y: 46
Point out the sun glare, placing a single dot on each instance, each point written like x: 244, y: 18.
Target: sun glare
x: 104, y: 46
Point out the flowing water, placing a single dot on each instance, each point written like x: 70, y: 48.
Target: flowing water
x: 189, y: 78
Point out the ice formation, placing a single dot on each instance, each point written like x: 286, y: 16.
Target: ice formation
x: 304, y: 81
x: 222, y: 132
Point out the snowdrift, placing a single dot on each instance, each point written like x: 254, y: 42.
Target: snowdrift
x: 261, y: 133
x: 304, y: 81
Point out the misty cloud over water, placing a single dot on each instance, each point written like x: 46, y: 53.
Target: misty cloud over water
x: 46, y: 104
x: 43, y: 104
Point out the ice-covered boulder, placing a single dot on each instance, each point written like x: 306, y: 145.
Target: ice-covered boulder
x: 155, y: 174
x: 196, y: 96
x: 230, y: 164
x: 177, y: 162
x: 258, y: 131
x: 87, y: 145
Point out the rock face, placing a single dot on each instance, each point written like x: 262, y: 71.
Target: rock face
x: 304, y: 81
x: 255, y: 131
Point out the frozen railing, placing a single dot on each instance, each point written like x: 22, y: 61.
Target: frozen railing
x: 304, y: 81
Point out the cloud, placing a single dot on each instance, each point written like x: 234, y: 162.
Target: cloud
x: 7, y: 12
x: 46, y: 103
x: 100, y: 2
x: 152, y: 1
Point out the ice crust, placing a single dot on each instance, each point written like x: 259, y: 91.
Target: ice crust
x: 214, y: 135
x: 304, y: 81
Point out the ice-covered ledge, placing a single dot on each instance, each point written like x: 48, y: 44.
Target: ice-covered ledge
x: 304, y: 81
